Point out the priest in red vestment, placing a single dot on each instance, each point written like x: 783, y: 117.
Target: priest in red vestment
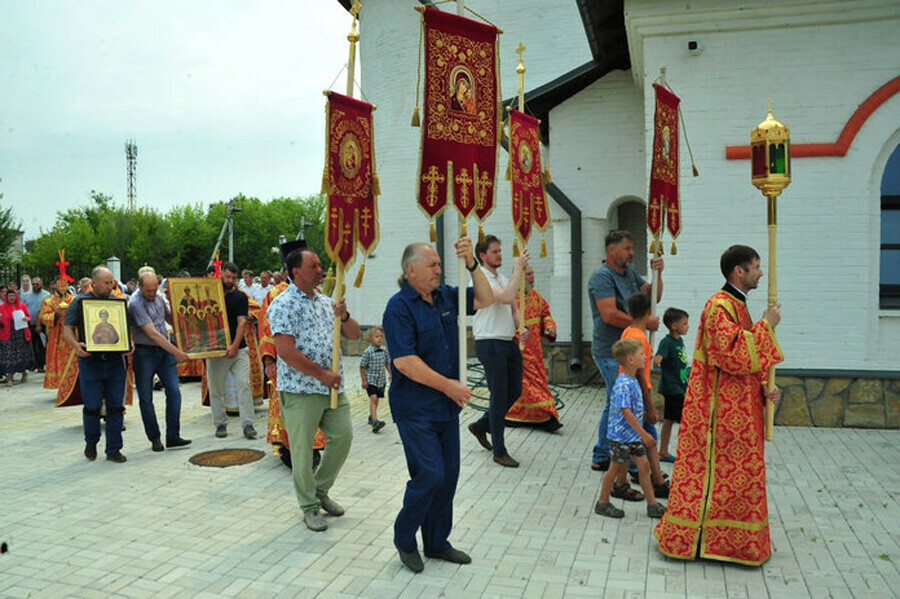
x: 717, y: 503
x: 536, y: 406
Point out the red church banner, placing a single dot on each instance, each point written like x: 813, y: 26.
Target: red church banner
x: 460, y: 128
x: 349, y: 179
x: 664, y: 166
x: 529, y: 202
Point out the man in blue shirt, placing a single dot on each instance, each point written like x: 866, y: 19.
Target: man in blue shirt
x: 609, y: 288
x: 421, y: 327
x: 302, y: 324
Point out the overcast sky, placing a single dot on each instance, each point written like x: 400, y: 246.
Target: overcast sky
x: 221, y: 97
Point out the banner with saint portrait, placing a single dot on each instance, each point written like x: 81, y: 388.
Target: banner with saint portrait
x: 663, y: 200
x: 349, y: 179
x: 460, y: 122
x: 529, y: 200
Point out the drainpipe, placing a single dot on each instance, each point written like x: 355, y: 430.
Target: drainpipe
x: 575, y: 273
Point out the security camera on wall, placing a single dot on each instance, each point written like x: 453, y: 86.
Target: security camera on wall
x: 694, y: 48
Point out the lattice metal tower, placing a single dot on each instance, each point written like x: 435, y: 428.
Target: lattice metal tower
x: 131, y: 156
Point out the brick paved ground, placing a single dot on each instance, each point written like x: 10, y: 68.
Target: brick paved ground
x: 160, y: 527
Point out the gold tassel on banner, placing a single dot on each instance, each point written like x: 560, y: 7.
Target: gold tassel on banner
x: 509, y: 171
x: 503, y: 136
x: 326, y: 187
x: 674, y: 248
x: 547, y: 179
x: 543, y: 246
x: 415, y: 116
x: 515, y: 248
x: 480, y: 233
x: 653, y: 247
x: 359, y: 274
x: 432, y: 232
x: 694, y: 168
x: 376, y: 185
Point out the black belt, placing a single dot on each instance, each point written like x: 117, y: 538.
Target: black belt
x: 147, y: 346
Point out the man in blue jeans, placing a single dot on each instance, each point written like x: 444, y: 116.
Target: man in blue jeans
x: 609, y: 288
x: 101, y: 374
x: 155, y: 354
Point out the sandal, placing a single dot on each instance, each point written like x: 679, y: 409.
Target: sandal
x: 627, y: 493
x: 661, y: 491
x: 657, y: 510
x: 608, y: 510
x: 667, y: 458
x: 636, y: 479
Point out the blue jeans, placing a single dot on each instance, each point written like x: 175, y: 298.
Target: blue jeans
x: 146, y: 362
x: 502, y: 362
x: 609, y: 368
x: 103, y: 378
x: 432, y: 458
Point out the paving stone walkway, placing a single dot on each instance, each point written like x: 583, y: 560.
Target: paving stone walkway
x: 161, y: 527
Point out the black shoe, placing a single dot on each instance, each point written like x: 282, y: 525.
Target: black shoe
x: 552, y: 425
x: 158, y: 446
x: 412, y: 560
x: 177, y: 442
x: 249, y: 432
x: 377, y: 425
x: 601, y: 466
x: 482, y: 437
x: 506, y: 461
x: 116, y: 457
x: 636, y: 479
x: 90, y: 451
x: 221, y: 431
x: 451, y: 555
x: 285, y: 454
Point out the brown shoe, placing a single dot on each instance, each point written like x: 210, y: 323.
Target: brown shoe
x: 506, y: 461
x: 482, y: 437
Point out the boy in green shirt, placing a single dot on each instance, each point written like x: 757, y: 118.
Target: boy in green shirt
x: 672, y: 360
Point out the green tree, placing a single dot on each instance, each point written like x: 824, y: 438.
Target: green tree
x: 9, y: 230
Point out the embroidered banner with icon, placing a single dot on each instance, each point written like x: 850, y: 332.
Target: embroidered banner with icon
x: 460, y: 125
x: 529, y: 201
x: 663, y: 204
x: 349, y: 179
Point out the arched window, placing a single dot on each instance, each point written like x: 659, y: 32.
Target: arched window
x: 632, y: 217
x: 889, y: 287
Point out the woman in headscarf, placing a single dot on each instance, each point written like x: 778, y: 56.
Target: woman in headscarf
x: 16, y: 352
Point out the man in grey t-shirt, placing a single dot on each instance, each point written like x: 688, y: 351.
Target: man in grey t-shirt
x: 609, y: 288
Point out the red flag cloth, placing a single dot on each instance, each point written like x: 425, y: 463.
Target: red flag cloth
x: 664, y: 168
x: 62, y: 263
x: 460, y: 124
x: 352, y: 213
x: 529, y: 202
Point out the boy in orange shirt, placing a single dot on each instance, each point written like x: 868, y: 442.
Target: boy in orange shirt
x: 639, y: 310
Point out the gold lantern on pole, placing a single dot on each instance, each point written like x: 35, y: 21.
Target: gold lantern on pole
x: 770, y: 172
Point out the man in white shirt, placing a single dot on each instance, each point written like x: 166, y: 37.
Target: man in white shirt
x: 497, y: 348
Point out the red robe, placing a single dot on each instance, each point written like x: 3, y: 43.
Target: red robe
x: 57, y: 349
x: 536, y: 404
x: 717, y: 504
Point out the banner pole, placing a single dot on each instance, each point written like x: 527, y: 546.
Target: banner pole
x: 352, y: 37
x: 520, y: 70
x: 462, y: 282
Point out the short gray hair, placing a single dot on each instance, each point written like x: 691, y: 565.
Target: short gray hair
x: 411, y: 254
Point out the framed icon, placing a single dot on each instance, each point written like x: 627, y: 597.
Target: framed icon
x: 198, y: 316
x: 105, y: 325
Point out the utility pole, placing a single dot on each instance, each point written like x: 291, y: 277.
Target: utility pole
x: 131, y: 157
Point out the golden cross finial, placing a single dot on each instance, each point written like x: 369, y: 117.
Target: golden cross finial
x: 769, y: 102
x: 520, y: 50
x: 354, y: 10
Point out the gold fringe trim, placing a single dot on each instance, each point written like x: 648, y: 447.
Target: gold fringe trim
x: 543, y: 247
x: 509, y: 171
x: 503, y: 136
x: 515, y: 248
x: 359, y: 275
x: 326, y: 187
x: 547, y: 179
x: 432, y: 232
x: 376, y: 185
x: 480, y: 233
x: 415, y: 118
x: 674, y: 248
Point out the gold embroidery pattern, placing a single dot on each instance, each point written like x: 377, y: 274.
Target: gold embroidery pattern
x: 664, y: 168
x: 445, y: 52
x: 350, y: 181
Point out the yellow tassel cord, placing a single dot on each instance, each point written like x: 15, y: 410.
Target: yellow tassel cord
x: 543, y: 246
x: 694, y: 168
x: 359, y: 274
x: 326, y: 187
x: 674, y: 248
x: 515, y: 248
x: 509, y: 171
x: 547, y: 179
x: 432, y: 232
x: 415, y: 117
x: 376, y: 185
x: 480, y: 233
x: 653, y: 247
x: 463, y: 229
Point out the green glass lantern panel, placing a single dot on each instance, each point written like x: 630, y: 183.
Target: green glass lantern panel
x: 777, y: 163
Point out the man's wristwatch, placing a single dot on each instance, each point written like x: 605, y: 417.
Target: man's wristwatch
x: 345, y: 317
x: 474, y: 266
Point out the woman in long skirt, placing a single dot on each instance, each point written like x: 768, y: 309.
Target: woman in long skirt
x: 16, y: 351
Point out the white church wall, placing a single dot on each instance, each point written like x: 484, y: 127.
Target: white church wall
x: 818, y: 70
x: 388, y: 47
